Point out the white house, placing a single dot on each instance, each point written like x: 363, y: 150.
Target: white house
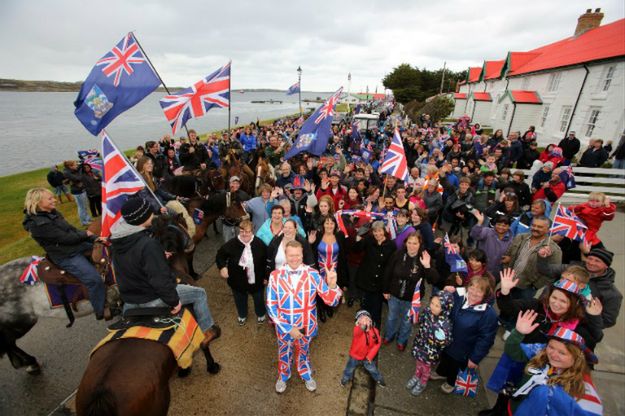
x: 574, y: 84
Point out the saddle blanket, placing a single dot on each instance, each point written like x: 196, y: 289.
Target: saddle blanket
x: 183, y: 337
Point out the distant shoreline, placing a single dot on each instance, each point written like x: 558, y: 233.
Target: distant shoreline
x: 17, y: 85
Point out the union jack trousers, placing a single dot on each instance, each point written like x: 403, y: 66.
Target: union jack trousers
x: 295, y: 307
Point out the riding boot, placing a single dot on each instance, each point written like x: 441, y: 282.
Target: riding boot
x: 500, y: 407
x: 210, y: 335
x: 192, y: 272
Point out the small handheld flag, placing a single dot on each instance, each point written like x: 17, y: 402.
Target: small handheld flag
x: 395, y: 162
x: 415, y: 305
x: 466, y: 383
x: 453, y: 258
x: 567, y: 224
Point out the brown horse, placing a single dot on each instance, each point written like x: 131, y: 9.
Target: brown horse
x: 265, y: 173
x: 130, y: 377
x: 232, y: 166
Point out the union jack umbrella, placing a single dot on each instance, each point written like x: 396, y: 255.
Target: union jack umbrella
x: 120, y: 181
x: 415, y: 305
x: 195, y: 101
x: 30, y: 275
x: 395, y: 162
x: 466, y: 383
x: 568, y: 224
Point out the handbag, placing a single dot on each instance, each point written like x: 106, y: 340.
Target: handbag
x: 466, y: 383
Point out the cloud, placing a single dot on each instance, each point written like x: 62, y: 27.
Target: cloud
x: 267, y: 41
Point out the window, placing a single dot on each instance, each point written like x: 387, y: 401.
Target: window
x: 565, y: 114
x: 592, y: 121
x: 494, y: 107
x: 543, y: 119
x: 607, y: 78
x: 554, y: 82
x: 526, y: 84
x: 504, y: 113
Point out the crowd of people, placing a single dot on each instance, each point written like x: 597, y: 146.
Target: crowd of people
x: 333, y: 229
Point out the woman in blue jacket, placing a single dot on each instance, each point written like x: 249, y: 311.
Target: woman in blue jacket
x: 474, y: 328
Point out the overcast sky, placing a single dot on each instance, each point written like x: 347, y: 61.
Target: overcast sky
x: 267, y: 40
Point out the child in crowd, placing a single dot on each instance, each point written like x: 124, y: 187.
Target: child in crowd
x: 364, y: 348
x: 578, y: 275
x: 433, y: 335
x: 599, y: 208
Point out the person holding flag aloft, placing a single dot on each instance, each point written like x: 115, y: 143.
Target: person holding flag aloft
x: 404, y: 272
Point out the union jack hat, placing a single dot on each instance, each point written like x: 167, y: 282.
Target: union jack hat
x: 568, y: 285
x: 571, y: 337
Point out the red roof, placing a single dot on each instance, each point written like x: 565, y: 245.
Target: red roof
x: 481, y: 96
x: 475, y: 73
x: 460, y: 96
x: 604, y: 42
x: 492, y: 69
x: 525, y: 97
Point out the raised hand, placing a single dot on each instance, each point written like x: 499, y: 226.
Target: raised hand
x: 312, y: 236
x: 331, y: 278
x: 425, y: 259
x: 478, y: 216
x: 525, y: 322
x: 594, y: 307
x: 508, y: 280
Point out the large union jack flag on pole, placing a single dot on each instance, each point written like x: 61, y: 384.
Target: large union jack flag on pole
x: 395, y: 162
x: 193, y: 102
x: 120, y: 181
x: 567, y: 224
x: 314, y: 135
x: 118, y: 81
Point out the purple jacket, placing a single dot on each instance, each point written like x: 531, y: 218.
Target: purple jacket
x: 488, y: 241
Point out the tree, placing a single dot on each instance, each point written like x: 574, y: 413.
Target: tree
x: 411, y: 83
x: 438, y: 108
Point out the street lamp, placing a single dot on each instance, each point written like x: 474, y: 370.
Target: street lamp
x: 299, y: 81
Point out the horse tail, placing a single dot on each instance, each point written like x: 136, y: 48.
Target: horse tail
x: 102, y: 403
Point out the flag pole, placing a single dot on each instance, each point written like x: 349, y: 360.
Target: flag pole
x: 229, y: 98
x: 551, y: 228
x: 147, y: 58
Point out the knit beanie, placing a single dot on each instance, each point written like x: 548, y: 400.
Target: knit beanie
x: 136, y: 211
x: 362, y: 313
x: 603, y: 255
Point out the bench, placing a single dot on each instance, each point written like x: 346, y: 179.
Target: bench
x: 609, y: 181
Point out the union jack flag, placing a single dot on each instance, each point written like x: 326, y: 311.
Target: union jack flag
x: 327, y: 110
x: 415, y: 305
x: 466, y: 383
x: 453, y: 258
x: 30, y: 275
x: 120, y: 181
x: 293, y: 89
x: 568, y: 224
x: 195, y: 101
x: 118, y: 81
x: 395, y: 162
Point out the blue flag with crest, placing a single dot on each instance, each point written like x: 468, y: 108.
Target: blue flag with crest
x: 118, y: 81
x: 317, y: 129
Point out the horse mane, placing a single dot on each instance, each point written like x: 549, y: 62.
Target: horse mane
x: 102, y: 403
x: 168, y: 231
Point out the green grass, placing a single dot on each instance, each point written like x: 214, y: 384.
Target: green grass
x: 341, y: 108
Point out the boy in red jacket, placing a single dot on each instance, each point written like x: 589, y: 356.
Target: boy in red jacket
x: 365, y: 346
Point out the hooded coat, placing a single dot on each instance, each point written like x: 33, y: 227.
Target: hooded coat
x: 434, y: 333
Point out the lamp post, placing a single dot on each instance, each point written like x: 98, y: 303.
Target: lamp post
x: 299, y: 81
x: 349, y: 88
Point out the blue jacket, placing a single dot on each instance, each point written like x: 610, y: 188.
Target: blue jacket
x: 248, y: 142
x: 474, y: 330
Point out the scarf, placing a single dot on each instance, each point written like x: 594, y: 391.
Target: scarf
x: 247, y: 261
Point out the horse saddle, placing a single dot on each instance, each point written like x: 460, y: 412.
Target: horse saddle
x: 52, y: 274
x: 157, y: 318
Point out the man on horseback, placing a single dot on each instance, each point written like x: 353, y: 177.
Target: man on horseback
x: 193, y: 155
x: 234, y: 195
x: 144, y: 277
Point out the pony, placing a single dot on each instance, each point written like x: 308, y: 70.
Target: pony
x: 233, y: 166
x: 265, y: 173
x: 172, y: 234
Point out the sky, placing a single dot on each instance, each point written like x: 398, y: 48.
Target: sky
x: 267, y: 40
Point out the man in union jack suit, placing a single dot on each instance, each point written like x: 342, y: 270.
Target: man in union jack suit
x: 291, y: 304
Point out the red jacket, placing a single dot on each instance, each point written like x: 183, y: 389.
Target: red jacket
x: 551, y: 193
x: 365, y: 344
x: 341, y: 193
x: 593, y: 218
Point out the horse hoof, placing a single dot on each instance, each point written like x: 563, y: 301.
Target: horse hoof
x: 33, y: 369
x: 213, y: 368
x: 184, y: 372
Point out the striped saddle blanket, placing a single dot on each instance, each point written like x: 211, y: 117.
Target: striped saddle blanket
x: 183, y: 337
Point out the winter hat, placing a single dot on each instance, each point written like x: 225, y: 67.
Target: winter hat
x: 298, y: 182
x: 548, y: 165
x: 447, y: 301
x: 136, y: 211
x: 362, y: 313
x: 603, y: 255
x: 571, y: 337
x: 234, y: 178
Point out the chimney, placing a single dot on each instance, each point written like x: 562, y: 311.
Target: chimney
x: 588, y: 20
